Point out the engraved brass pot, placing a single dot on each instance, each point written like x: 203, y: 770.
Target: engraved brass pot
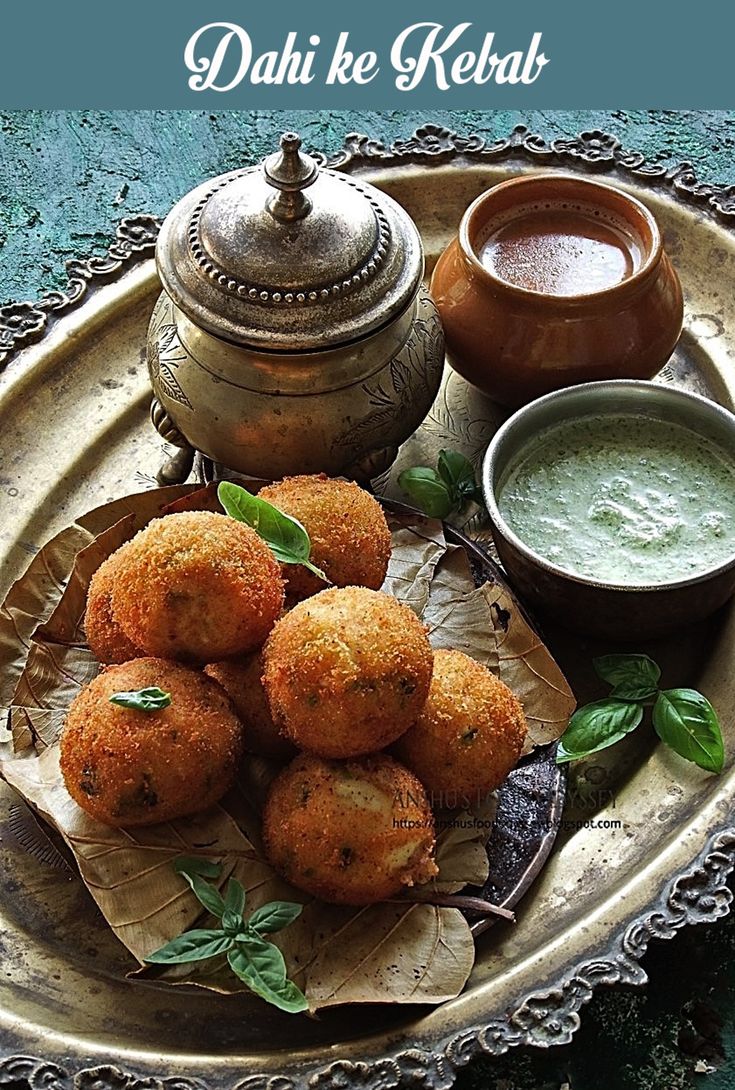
x: 293, y: 334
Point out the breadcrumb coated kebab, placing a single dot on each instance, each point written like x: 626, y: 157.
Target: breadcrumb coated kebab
x: 347, y: 671
x: 127, y: 767
x: 241, y: 678
x: 350, y: 832
x: 350, y: 538
x: 106, y: 639
x: 197, y: 586
x: 469, y: 734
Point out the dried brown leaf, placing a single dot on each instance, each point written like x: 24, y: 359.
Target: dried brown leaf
x: 416, y: 550
x: 488, y: 624
x: 129, y: 872
x: 31, y: 600
x: 460, y: 846
x: 413, y: 953
x: 396, y: 952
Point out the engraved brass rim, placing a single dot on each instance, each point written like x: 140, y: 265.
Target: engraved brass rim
x: 539, y: 990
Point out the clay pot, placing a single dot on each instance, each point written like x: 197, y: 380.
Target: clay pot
x: 516, y: 343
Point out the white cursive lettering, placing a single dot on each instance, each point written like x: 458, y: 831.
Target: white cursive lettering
x: 347, y: 68
x: 533, y: 58
x: 413, y: 69
x: 414, y: 65
x: 208, y: 69
x: 220, y: 56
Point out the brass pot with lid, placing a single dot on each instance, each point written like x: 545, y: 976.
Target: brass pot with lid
x: 293, y: 333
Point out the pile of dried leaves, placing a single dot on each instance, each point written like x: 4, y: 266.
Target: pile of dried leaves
x: 401, y: 952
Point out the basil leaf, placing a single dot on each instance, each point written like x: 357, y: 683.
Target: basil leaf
x: 194, y: 864
x: 457, y: 472
x: 634, y: 677
x: 143, y: 700
x: 260, y: 965
x: 597, y: 726
x: 255, y: 947
x: 274, y: 916
x: 629, y: 690
x: 428, y: 491
x: 235, y: 897
x: 686, y: 721
x: 285, y: 536
x: 206, y: 894
x: 232, y: 923
x: 192, y: 946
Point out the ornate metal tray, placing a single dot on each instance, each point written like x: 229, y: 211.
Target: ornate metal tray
x: 647, y: 843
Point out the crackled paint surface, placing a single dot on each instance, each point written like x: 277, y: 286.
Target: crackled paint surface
x: 65, y: 178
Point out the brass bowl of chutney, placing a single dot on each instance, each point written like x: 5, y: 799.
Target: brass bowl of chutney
x: 555, y: 280
x: 613, y: 507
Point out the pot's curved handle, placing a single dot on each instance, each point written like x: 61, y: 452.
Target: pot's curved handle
x: 289, y: 171
x: 178, y: 466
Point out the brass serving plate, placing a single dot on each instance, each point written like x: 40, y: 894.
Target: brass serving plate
x: 74, y: 433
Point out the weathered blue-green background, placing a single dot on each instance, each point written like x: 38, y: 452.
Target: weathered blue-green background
x: 65, y: 178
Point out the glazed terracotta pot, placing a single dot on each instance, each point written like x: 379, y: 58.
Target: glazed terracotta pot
x: 517, y: 343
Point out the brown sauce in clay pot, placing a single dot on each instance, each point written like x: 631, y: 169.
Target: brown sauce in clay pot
x: 560, y: 251
x: 553, y: 280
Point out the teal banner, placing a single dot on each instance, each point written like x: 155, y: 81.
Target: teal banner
x: 236, y: 54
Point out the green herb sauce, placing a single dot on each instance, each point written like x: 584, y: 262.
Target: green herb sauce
x: 625, y: 499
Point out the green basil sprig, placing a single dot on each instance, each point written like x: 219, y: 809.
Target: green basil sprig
x: 286, y: 538
x: 445, y: 490
x: 143, y: 700
x: 257, y: 962
x: 597, y: 726
x: 682, y: 718
x: 633, y: 677
x: 686, y: 721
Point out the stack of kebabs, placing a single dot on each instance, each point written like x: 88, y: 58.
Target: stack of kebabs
x: 257, y: 657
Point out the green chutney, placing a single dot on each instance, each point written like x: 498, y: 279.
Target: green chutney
x: 623, y: 499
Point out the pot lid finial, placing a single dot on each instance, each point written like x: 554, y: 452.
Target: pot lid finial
x: 290, y: 172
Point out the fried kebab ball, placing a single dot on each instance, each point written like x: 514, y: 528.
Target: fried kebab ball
x: 351, y: 832
x: 241, y: 679
x: 347, y: 671
x: 107, y: 641
x: 127, y: 767
x: 197, y: 586
x: 470, y: 733
x: 350, y: 539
